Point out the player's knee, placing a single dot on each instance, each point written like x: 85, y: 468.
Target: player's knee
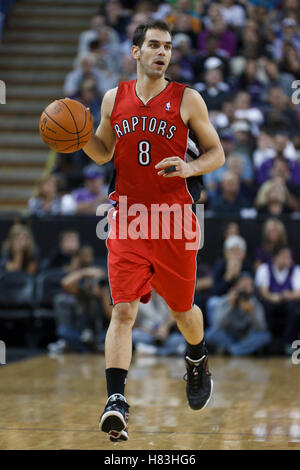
x: 124, y: 313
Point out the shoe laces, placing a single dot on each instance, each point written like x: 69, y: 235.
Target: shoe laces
x: 194, y: 373
x: 117, y: 400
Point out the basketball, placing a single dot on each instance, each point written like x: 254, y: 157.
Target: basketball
x: 66, y: 125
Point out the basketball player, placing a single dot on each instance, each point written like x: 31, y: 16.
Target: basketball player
x: 145, y: 125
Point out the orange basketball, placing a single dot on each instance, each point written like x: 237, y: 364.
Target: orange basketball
x: 66, y: 125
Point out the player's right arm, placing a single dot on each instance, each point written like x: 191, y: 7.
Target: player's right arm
x: 101, y: 145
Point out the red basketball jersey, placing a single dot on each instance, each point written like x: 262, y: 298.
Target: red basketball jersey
x: 145, y: 134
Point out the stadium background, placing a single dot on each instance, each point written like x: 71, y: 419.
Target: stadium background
x: 243, y: 57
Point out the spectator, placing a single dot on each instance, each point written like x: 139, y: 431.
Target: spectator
x: 19, y: 252
x: 275, y: 78
x: 233, y: 14
x: 86, y: 200
x: 86, y: 37
x: 214, y: 91
x: 64, y: 256
x: 181, y: 54
x: 128, y: 69
x: 115, y: 16
x: 227, y: 271
x: 250, y: 83
x: 239, y: 325
x: 288, y: 33
x: 235, y: 161
x: 86, y: 70
x: 45, y: 200
x: 229, y: 201
x: 183, y: 24
x: 137, y: 19
x: 271, y: 146
x: 81, y: 309
x: 211, y: 50
x: 272, y: 200
x: 226, y: 38
x: 273, y: 235
x: 280, y: 116
x: 244, y: 141
x: 290, y: 63
x: 270, y: 168
x: 278, y: 284
x: 245, y: 111
x: 152, y: 332
x: 89, y: 96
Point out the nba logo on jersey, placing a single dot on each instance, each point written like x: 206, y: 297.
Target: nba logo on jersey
x: 168, y: 106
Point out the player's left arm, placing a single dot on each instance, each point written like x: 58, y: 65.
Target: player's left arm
x: 194, y: 113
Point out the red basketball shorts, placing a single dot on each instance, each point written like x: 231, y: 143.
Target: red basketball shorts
x: 153, y: 251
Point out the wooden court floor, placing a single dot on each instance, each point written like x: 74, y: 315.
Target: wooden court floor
x: 55, y: 403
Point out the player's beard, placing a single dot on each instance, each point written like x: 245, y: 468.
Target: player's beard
x: 149, y: 69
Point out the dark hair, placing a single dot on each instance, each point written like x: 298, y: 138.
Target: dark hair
x: 140, y: 32
x: 279, y: 248
x: 67, y: 231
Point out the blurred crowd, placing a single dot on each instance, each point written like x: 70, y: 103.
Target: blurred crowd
x: 244, y: 59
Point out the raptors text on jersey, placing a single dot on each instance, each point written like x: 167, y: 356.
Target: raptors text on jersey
x: 146, y: 134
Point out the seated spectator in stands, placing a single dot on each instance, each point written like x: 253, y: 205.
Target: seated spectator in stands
x: 181, y: 52
x: 64, y: 255
x: 278, y: 284
x: 154, y: 332
x: 90, y: 97
x: 273, y: 235
x: 271, y: 168
x: 272, y: 199
x: 230, y: 201
x: 227, y: 271
x: 224, y: 118
x: 245, y: 111
x: 115, y: 16
x: 271, y: 146
x: 249, y: 48
x: 249, y: 82
x: 239, y: 325
x: 289, y: 33
x: 213, y: 90
x: 226, y: 38
x: 233, y: 14
x: 109, y: 60
x: 45, y: 200
x: 82, y: 310
x: 87, y: 70
x: 238, y: 162
x: 19, y: 252
x: 86, y: 200
x: 185, y: 7
x: 275, y: 78
x: 290, y: 63
x: 244, y: 141
x: 136, y: 20
x: 128, y: 69
x: 86, y: 37
x: 211, y: 50
x: 185, y: 22
x: 281, y: 114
